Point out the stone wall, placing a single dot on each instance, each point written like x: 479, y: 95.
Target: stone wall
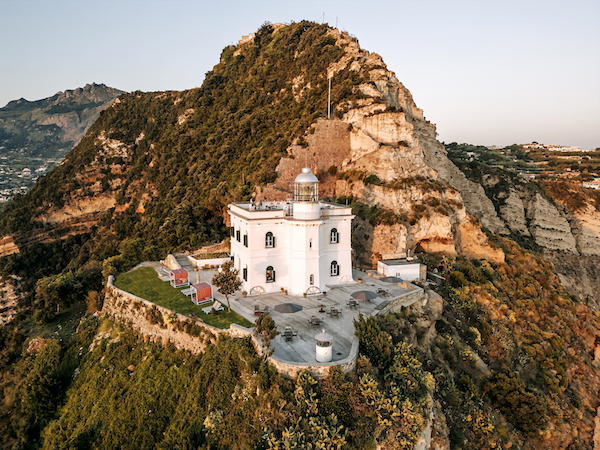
x: 200, y: 263
x: 407, y: 299
x: 161, y: 324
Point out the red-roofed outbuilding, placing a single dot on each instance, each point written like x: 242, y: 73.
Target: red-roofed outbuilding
x: 179, y: 278
x: 201, y: 293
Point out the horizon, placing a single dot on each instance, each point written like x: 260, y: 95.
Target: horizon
x: 484, y: 72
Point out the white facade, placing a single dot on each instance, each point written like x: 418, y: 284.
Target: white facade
x: 406, y: 270
x: 301, y: 245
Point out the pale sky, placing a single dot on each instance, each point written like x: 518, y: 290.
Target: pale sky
x: 488, y: 72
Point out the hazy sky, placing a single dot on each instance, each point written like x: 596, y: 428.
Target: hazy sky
x: 484, y: 71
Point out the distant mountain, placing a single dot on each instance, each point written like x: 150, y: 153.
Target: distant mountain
x: 50, y: 127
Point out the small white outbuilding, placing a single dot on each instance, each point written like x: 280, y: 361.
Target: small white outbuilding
x: 402, y: 268
x: 324, y: 344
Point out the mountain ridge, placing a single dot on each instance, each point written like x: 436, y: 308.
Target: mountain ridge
x: 58, y: 122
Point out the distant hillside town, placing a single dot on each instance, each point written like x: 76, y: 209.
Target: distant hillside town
x: 553, y: 148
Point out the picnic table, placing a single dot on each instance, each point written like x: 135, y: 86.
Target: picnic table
x: 334, y: 312
x: 314, y: 320
x: 288, y: 334
x: 352, y: 303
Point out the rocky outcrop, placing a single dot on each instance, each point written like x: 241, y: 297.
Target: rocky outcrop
x: 9, y: 300
x: 580, y: 274
x: 391, y: 138
x: 514, y: 208
x: 8, y: 246
x: 447, y: 229
x: 383, y: 133
x: 550, y: 229
x: 562, y: 220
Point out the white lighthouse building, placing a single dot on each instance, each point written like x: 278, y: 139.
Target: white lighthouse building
x: 301, y: 245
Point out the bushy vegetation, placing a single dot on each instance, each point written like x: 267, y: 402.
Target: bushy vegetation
x: 511, y: 338
x: 573, y: 196
x: 183, y: 154
x: 116, y: 391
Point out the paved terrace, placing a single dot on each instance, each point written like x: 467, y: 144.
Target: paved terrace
x: 301, y: 349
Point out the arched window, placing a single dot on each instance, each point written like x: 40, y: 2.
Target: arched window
x: 334, y: 269
x: 310, y: 245
x: 245, y: 273
x: 270, y: 274
x: 246, y: 240
x: 334, y: 236
x: 312, y: 280
x: 269, y: 240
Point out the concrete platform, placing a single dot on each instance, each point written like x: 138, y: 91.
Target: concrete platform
x: 301, y: 348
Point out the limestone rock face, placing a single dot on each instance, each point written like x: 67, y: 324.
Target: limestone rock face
x: 513, y: 211
x: 585, y: 226
x: 392, y: 139
x: 9, y: 300
x: 433, y: 231
x: 550, y: 229
x: 384, y: 134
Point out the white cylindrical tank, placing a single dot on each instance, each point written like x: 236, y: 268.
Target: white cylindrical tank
x: 324, y: 343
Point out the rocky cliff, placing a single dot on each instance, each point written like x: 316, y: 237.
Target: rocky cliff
x: 559, y: 219
x: 382, y: 137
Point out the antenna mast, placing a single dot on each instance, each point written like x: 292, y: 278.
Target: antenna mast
x: 329, y: 76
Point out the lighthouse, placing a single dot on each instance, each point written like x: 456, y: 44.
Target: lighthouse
x: 302, y: 244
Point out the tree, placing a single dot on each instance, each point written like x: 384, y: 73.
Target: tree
x: 265, y: 331
x: 227, y: 281
x: 375, y: 343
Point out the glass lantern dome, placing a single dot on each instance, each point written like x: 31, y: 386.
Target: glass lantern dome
x: 306, y: 186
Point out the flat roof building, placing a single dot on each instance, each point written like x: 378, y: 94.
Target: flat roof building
x: 401, y: 268
x: 301, y: 245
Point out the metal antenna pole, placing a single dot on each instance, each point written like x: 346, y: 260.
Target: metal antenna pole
x: 329, y: 99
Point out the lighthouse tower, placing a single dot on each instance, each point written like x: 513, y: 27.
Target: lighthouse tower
x: 306, y: 233
x: 302, y: 245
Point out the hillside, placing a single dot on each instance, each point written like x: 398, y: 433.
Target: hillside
x: 506, y: 360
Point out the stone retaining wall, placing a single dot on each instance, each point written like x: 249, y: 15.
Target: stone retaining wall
x: 407, y: 299
x: 162, y: 324
x: 166, y: 326
x: 200, y: 263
